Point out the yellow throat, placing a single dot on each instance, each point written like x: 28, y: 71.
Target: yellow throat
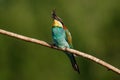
x: 57, y: 23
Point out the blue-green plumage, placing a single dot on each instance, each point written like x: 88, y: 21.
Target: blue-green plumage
x: 62, y: 38
x: 59, y: 37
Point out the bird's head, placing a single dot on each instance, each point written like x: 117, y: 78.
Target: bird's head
x: 57, y: 22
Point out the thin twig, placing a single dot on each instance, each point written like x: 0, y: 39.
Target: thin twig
x: 43, y: 43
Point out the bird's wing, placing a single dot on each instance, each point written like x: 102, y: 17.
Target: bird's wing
x: 68, y: 37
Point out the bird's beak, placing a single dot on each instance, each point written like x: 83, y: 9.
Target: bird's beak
x: 54, y: 14
x: 55, y: 17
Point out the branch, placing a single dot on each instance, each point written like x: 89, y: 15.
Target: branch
x: 43, y: 43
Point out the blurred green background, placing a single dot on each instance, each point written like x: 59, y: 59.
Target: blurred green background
x: 95, y: 28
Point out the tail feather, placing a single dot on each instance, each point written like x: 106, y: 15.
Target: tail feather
x: 73, y: 62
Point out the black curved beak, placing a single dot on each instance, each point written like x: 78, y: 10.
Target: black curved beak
x: 54, y: 16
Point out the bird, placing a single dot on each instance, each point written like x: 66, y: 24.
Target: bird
x: 62, y: 38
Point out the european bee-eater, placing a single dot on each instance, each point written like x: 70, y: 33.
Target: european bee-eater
x: 62, y: 38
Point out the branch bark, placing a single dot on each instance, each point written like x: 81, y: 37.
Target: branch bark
x: 73, y: 51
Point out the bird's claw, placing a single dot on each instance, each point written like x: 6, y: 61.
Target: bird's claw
x: 65, y: 49
x: 53, y: 45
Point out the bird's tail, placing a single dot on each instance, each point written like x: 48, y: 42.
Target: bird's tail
x: 73, y: 62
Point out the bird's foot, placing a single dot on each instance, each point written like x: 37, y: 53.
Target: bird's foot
x: 65, y: 49
x: 53, y: 45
